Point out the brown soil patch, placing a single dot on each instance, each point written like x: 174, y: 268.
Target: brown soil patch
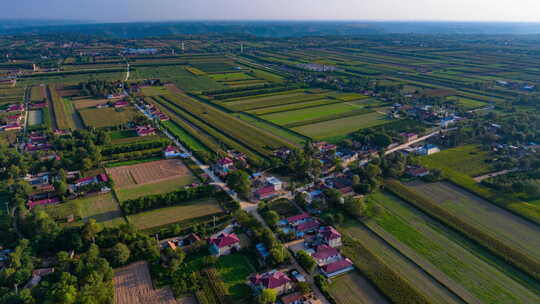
x: 173, y: 88
x: 88, y: 103
x: 147, y: 173
x: 133, y: 285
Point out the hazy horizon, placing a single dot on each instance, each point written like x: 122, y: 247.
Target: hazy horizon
x: 105, y: 11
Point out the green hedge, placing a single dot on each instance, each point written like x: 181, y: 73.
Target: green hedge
x: 397, y: 289
x: 522, y: 261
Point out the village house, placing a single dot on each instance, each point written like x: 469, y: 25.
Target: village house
x: 337, y: 268
x: 224, y: 244
x: 224, y: 166
x: 265, y: 192
x: 325, y: 254
x: 11, y: 127
x: 171, y: 152
x: 294, y: 298
x: 49, y: 201
x: 324, y: 147
x: 330, y: 236
x: 408, y: 137
x: 274, y: 279
x: 15, y: 108
x: 145, y: 131
x: 416, y: 171
x: 428, y: 150
x: 82, y: 182
x: 121, y: 104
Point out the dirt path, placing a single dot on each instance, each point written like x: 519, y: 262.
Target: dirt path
x: 493, y: 174
x: 50, y: 108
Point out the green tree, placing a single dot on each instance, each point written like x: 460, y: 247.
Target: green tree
x: 239, y: 182
x: 306, y: 261
x: 120, y: 254
x: 90, y: 230
x: 267, y: 296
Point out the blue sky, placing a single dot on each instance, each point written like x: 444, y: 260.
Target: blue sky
x: 156, y: 10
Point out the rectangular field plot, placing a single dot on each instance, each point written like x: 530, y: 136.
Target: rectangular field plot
x: 341, y: 127
x: 298, y: 116
x: 133, y: 285
x: 170, y: 215
x: 35, y: 117
x: 88, y: 103
x: 154, y: 91
x: 150, y: 178
x: 233, y: 269
x: 472, y: 273
x: 469, y: 160
x: 352, y: 288
x: 103, y: 208
x: 230, y: 77
x: 484, y: 215
x: 108, y: 117
x: 468, y: 103
x: 179, y: 76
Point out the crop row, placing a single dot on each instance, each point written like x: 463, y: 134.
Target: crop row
x: 280, y: 100
x: 63, y: 121
x: 213, y: 133
x: 328, y: 118
x: 241, y: 131
x: 522, y: 261
x: 382, y: 275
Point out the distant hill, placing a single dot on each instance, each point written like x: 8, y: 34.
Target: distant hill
x: 262, y: 28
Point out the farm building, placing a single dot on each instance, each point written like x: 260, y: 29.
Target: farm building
x: 429, y: 149
x: 171, y: 152
x: 325, y: 254
x: 274, y: 279
x: 337, y: 268
x: 145, y: 131
x: 224, y: 244
x: 265, y: 192
x: 330, y: 236
x: 50, y: 201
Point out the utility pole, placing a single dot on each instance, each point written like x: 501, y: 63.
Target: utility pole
x: 242, y: 48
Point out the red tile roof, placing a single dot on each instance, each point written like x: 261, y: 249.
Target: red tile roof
x: 307, y: 226
x: 337, y: 266
x: 296, y: 218
x: 329, y: 233
x: 271, y: 279
x: 103, y: 177
x: 264, y: 191
x: 324, y: 252
x: 224, y: 240
x: 32, y: 204
x: 291, y: 298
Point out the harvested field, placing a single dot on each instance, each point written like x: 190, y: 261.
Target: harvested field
x: 88, y: 103
x: 352, y: 288
x: 175, y: 214
x: 495, y: 221
x: 133, y: 285
x: 147, y: 173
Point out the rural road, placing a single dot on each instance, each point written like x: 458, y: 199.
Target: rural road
x: 493, y: 174
x: 412, y: 142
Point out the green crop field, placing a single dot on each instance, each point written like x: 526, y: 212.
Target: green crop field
x: 298, y: 116
x: 62, y: 116
x: 169, y: 215
x: 166, y: 186
x: 338, y: 128
x: 469, y: 160
x: 352, y: 288
x: 154, y: 91
x: 230, y: 77
x: 182, y: 135
x: 177, y: 75
x: 468, y: 103
x: 272, y: 100
x: 107, y: 117
x: 291, y: 137
x: 294, y: 106
x: 405, y: 268
x: 485, y: 216
x: 470, y: 269
x: 234, y: 270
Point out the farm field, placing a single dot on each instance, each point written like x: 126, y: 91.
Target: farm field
x: 405, y: 268
x: 234, y: 269
x: 88, y: 103
x: 37, y: 93
x: 103, y: 208
x: 129, y: 136
x: 35, y: 117
x: 107, y: 117
x: 72, y: 77
x: 488, y: 279
x: 230, y: 77
x: 352, y: 288
x: 277, y: 99
x: 291, y: 137
x: 150, y: 178
x: 182, y: 135
x: 170, y: 215
x: 468, y: 103
x: 154, y: 91
x: 133, y: 285
x: 334, y: 129
x: 493, y: 220
x: 469, y: 160
x: 177, y: 75
x: 299, y: 116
